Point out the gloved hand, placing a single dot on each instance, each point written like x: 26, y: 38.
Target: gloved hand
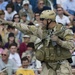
x: 54, y: 38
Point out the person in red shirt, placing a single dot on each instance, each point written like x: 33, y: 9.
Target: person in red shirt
x: 23, y: 45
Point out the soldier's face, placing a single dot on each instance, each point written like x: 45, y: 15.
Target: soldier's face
x: 44, y: 22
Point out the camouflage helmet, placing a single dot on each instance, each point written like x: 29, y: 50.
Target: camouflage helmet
x: 48, y: 14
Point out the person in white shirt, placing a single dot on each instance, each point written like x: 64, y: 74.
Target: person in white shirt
x: 61, y: 18
x: 14, y: 55
x: 6, y: 64
x: 68, y: 6
x: 9, y: 12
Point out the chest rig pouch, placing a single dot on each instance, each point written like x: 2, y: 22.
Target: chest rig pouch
x: 52, y: 53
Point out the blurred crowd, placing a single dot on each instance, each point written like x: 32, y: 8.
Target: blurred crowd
x: 17, y: 50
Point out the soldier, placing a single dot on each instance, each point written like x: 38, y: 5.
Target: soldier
x: 56, y: 41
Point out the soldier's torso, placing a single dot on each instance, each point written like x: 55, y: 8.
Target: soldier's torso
x: 51, y: 51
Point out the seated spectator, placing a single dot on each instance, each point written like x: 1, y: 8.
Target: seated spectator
x: 23, y: 45
x: 18, y: 34
x: 30, y: 6
x: 5, y: 62
x: 3, y: 4
x: 27, y: 10
x: 37, y: 20
x: 17, y: 5
x: 11, y: 39
x: 16, y: 18
x: 61, y: 18
x: 23, y: 18
x: 14, y: 55
x: 34, y: 63
x: 9, y: 12
x: 24, y: 70
x: 41, y: 7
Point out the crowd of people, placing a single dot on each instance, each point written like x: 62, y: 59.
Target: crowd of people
x: 17, y: 47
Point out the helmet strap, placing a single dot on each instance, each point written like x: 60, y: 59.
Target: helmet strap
x: 48, y: 23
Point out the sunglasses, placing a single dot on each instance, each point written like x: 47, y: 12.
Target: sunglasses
x: 3, y: 54
x: 41, y: 3
x: 26, y: 4
x: 41, y: 19
x: 16, y: 17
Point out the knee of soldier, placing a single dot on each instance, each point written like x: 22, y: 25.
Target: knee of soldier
x: 40, y: 55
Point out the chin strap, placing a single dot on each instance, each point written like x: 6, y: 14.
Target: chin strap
x: 48, y: 23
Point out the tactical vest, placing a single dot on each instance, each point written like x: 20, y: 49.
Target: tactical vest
x: 52, y: 53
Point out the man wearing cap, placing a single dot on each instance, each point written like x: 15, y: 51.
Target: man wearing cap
x: 27, y: 10
x: 23, y: 17
x: 23, y: 45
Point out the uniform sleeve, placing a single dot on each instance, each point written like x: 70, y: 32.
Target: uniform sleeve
x: 68, y: 42
x: 20, y: 26
x: 26, y: 28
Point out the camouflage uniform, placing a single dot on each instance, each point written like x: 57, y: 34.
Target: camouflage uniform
x: 52, y: 54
